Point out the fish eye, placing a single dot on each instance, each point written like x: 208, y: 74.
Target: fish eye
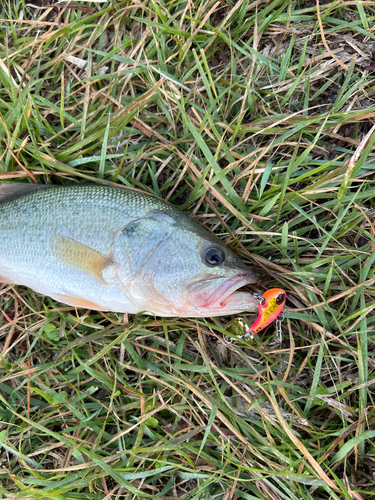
x: 214, y: 256
x: 280, y: 298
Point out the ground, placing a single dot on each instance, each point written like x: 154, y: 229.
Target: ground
x: 256, y: 117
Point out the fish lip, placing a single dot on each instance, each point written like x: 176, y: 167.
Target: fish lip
x: 228, y: 288
x: 224, y: 299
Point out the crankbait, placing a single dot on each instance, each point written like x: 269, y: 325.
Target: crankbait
x: 270, y: 307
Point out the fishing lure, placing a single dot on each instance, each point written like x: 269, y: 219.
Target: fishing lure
x: 270, y: 307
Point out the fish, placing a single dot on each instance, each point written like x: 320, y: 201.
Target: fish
x: 117, y: 249
x: 270, y: 307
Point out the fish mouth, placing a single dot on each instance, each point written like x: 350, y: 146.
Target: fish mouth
x: 219, y: 296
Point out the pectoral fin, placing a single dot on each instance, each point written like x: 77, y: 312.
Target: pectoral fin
x: 80, y: 256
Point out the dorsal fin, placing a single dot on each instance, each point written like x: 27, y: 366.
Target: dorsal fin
x: 80, y: 256
x: 12, y: 190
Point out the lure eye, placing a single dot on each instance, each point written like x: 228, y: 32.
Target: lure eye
x: 214, y: 256
x: 280, y: 299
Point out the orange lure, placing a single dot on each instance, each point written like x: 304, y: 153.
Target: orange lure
x: 270, y: 307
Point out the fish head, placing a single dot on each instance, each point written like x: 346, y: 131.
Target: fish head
x: 213, y: 290
x: 179, y: 269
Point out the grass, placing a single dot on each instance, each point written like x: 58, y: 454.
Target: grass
x: 258, y: 118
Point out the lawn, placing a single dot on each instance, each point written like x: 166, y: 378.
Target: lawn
x: 258, y: 119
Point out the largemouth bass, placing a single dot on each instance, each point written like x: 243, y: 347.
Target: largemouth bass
x: 115, y: 249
